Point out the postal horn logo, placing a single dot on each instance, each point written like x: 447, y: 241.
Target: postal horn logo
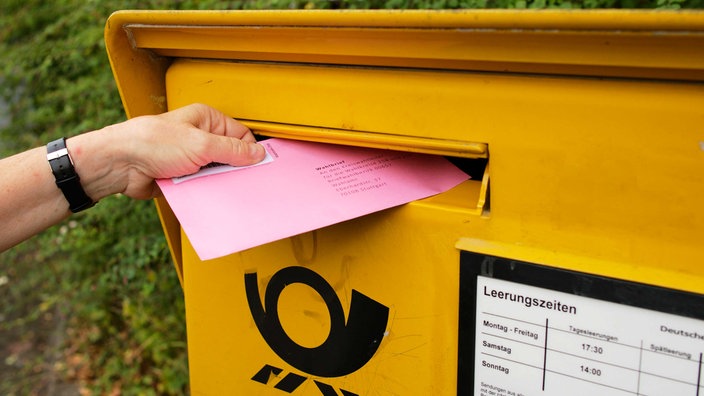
x: 350, y: 344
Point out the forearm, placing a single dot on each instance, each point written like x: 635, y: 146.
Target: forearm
x: 31, y: 202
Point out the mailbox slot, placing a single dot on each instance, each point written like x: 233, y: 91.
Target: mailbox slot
x: 387, y: 108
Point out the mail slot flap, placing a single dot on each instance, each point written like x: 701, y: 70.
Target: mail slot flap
x: 371, y: 139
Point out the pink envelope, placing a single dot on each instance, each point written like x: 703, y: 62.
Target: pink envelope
x: 304, y: 186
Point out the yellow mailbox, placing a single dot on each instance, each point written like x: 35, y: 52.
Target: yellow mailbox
x: 571, y: 263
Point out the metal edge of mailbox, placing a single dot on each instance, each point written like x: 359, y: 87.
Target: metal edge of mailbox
x: 143, y: 92
x: 566, y: 43
x: 604, y: 19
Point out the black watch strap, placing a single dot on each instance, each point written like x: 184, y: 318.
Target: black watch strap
x: 66, y: 177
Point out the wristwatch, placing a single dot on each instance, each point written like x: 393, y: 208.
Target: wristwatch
x: 66, y: 177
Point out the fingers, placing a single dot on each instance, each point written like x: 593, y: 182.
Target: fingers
x: 209, y: 119
x: 229, y: 141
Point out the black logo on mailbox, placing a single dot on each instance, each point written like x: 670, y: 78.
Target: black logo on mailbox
x: 350, y: 344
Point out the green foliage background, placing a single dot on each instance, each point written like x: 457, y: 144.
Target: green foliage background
x: 95, y: 301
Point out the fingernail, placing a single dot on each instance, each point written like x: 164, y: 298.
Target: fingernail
x: 256, y: 150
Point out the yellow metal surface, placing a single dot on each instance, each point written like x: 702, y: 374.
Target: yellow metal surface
x: 421, y: 144
x: 591, y: 123
x: 503, y: 50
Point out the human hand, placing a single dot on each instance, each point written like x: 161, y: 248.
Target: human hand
x: 171, y: 144
x: 121, y: 158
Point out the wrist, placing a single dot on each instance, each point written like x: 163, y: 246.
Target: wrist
x: 97, y: 161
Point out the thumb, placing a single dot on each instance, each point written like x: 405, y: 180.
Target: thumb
x: 233, y: 151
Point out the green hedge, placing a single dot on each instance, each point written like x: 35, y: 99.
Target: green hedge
x: 103, y: 282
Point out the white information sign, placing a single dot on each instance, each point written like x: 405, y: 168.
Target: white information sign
x: 535, y: 341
